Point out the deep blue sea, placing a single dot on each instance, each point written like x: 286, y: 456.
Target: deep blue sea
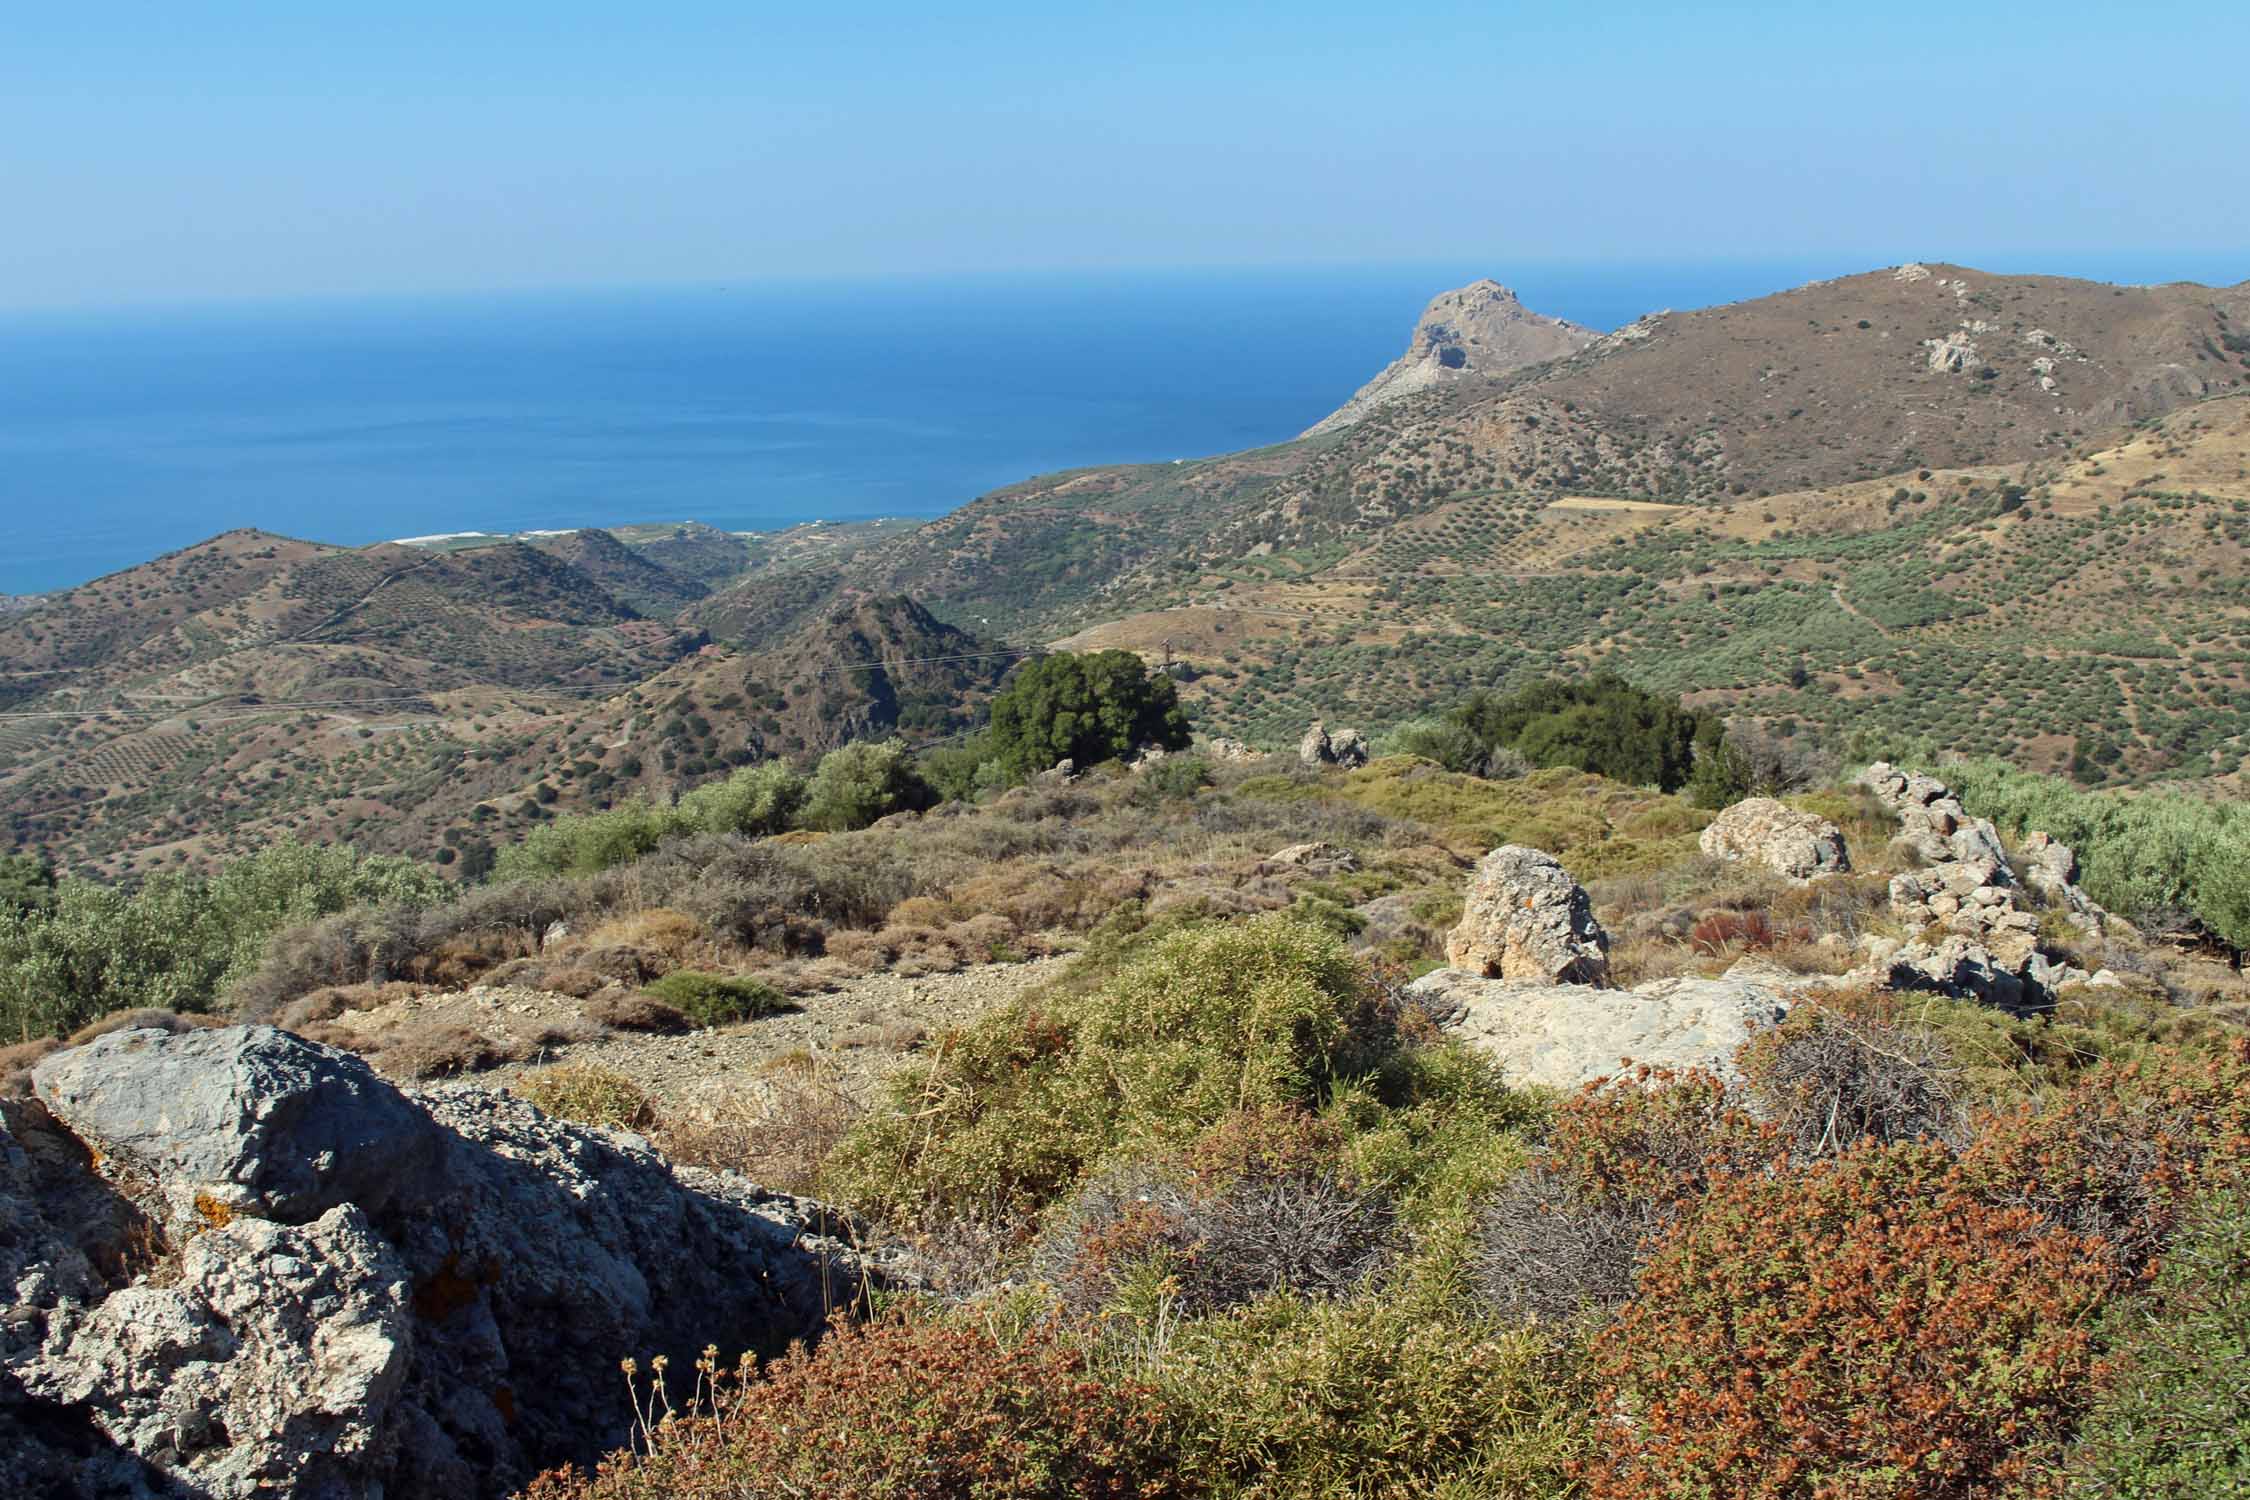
x: 126, y: 434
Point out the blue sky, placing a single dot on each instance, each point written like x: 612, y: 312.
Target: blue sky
x: 178, y: 152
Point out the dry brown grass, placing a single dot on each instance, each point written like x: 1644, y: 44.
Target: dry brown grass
x: 672, y: 934
x: 777, y: 1132
x: 632, y: 1010
x: 441, y: 1050
x: 16, y: 1063
x: 587, y: 1093
x: 341, y: 999
x: 138, y: 1019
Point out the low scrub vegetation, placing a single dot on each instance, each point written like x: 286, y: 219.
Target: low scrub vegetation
x: 1344, y: 1258
x: 81, y: 949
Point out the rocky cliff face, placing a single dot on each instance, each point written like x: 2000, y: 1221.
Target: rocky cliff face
x: 1479, y: 329
x: 235, y: 1263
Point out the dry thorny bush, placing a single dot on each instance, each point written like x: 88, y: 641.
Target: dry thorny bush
x: 776, y: 1131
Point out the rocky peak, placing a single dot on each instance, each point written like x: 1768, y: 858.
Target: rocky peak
x: 1481, y: 329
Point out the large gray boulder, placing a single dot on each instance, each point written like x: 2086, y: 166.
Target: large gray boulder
x: 1795, y: 845
x: 1564, y: 1035
x: 270, y: 1362
x: 244, y: 1120
x: 1346, y: 749
x: 439, y: 1309
x: 1525, y: 918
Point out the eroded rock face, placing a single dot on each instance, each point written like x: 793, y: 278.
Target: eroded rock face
x: 1564, y: 1035
x: 1932, y: 821
x: 1525, y: 918
x: 441, y: 1314
x: 272, y: 1361
x: 244, y: 1120
x: 1477, y: 330
x: 1344, y: 748
x: 1796, y: 845
x: 1990, y: 949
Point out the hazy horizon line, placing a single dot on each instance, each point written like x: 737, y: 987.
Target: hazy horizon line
x: 2085, y: 265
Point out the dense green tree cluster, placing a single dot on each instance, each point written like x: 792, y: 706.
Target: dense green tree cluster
x: 1602, y: 724
x: 27, y: 883
x: 1085, y: 708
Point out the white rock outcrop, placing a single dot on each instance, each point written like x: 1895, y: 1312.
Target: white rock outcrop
x: 1479, y: 329
x: 1795, y: 845
x: 1564, y: 1035
x: 1967, y: 890
x: 1525, y: 918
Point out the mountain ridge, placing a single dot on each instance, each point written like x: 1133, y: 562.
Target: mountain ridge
x: 1481, y: 330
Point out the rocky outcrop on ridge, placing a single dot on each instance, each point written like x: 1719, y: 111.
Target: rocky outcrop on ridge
x: 1966, y: 889
x: 1528, y: 987
x: 1343, y: 748
x: 1525, y: 918
x: 240, y: 1263
x: 1478, y: 329
x: 1795, y: 845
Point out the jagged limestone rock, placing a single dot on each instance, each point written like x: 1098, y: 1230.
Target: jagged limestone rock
x: 1525, y: 918
x: 1343, y: 748
x: 271, y: 1361
x: 452, y: 1334
x: 1479, y: 329
x: 1796, y: 845
x: 1991, y: 948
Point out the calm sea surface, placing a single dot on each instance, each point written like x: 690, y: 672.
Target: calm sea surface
x: 126, y: 434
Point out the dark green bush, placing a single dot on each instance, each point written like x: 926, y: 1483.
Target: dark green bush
x: 1087, y: 709
x: 718, y: 999
x: 27, y: 884
x: 1601, y: 724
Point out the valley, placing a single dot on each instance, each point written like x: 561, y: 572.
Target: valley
x: 1920, y: 507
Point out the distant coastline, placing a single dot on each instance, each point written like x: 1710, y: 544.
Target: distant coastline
x: 123, y: 436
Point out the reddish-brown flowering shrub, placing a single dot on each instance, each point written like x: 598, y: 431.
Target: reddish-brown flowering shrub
x: 2117, y: 1155
x: 1863, y: 1329
x: 908, y: 1408
x: 1656, y: 1136
x: 1723, y: 931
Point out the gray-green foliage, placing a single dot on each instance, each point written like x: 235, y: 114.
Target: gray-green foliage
x: 2175, y: 1425
x: 862, y: 782
x: 178, y: 940
x: 2146, y: 857
x: 760, y: 799
x: 757, y: 800
x: 851, y: 789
